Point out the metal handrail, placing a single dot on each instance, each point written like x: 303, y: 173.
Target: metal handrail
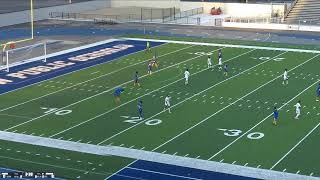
x: 289, y: 10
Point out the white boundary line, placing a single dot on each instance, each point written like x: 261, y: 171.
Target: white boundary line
x: 102, y: 114
x: 115, y: 174
x: 147, y: 156
x: 190, y: 98
x: 77, y: 102
x: 245, y: 133
x: 90, y: 79
x: 295, y: 145
x: 167, y: 174
x: 227, y: 45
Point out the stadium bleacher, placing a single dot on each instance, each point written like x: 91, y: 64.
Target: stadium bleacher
x: 304, y: 11
x: 244, y: 1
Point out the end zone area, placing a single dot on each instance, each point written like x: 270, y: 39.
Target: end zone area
x: 215, y: 119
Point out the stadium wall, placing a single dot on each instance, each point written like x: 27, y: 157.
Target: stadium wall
x: 146, y: 3
x: 238, y: 9
x: 19, y: 17
x: 287, y: 27
x: 230, y: 9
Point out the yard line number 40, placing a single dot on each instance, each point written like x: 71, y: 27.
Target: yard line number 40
x: 237, y: 132
x: 56, y: 111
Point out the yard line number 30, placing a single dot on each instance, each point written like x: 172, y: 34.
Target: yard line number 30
x: 237, y: 132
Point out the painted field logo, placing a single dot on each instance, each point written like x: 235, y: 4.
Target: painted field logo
x: 101, y: 53
x: 61, y: 64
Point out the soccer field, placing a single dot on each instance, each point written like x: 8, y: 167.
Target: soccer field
x: 216, y: 118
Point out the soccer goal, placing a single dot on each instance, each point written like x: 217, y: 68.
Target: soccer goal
x: 17, y: 56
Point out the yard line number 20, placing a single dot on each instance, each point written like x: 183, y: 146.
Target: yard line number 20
x: 136, y: 120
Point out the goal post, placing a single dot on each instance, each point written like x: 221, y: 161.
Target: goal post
x: 30, y: 38
x: 22, y: 55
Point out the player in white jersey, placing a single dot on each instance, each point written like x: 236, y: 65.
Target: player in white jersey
x: 220, y: 59
x: 209, y: 62
x: 298, y: 109
x: 285, y: 77
x: 186, y: 76
x: 167, y: 103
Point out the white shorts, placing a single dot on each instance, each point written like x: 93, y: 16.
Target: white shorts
x: 220, y: 62
x: 298, y: 111
x: 285, y: 78
x: 187, y: 78
x: 209, y: 63
x: 167, y: 104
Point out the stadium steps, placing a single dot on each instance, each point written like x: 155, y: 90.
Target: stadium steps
x: 304, y: 11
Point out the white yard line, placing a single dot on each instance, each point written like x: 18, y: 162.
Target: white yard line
x: 12, y: 115
x: 204, y: 120
x: 245, y: 133
x: 295, y: 146
x: 92, y: 79
x: 102, y: 114
x: 227, y: 45
x: 189, y: 98
x: 103, y: 92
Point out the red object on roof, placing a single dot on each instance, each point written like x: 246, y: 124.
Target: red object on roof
x: 215, y: 11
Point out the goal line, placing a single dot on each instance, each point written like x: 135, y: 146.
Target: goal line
x: 227, y: 45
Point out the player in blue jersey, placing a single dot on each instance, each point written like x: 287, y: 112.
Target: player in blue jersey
x: 140, y: 109
x: 225, y: 69
x: 275, y: 116
x: 117, y: 93
x: 136, y: 79
x: 318, y: 93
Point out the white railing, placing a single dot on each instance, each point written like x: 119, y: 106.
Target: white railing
x: 262, y: 20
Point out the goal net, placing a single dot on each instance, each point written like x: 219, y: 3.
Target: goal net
x: 14, y: 57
